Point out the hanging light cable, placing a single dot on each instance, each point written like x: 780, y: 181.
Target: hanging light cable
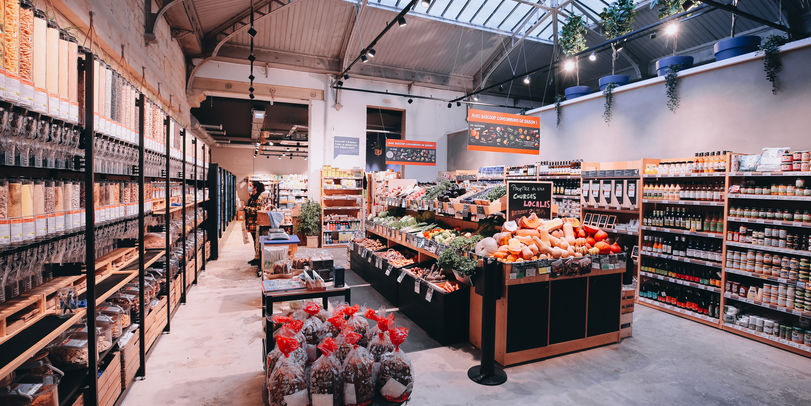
x: 251, y: 57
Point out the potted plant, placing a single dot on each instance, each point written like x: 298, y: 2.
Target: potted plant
x: 617, y: 20
x: 309, y: 222
x: 669, y: 8
x: 572, y: 41
x: 735, y: 46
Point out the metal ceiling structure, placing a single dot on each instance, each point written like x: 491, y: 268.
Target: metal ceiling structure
x: 461, y: 45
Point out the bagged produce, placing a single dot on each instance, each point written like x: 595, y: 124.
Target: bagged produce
x: 396, y: 379
x: 287, y: 385
x: 291, y: 328
x: 357, y: 324
x: 381, y: 343
x: 332, y: 327
x: 325, y: 376
x: 310, y: 330
x: 287, y: 330
x: 359, y: 387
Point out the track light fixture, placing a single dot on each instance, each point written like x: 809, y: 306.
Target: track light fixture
x: 280, y: 157
x: 425, y: 3
x: 568, y: 66
x: 410, y: 101
x: 475, y: 97
x: 401, y: 21
x: 450, y: 105
x: 672, y: 29
x: 371, y: 52
x: 364, y: 58
x: 593, y: 57
x: 340, y: 83
x: 346, y: 76
x: 458, y: 104
x: 687, y: 4
x: 526, y: 80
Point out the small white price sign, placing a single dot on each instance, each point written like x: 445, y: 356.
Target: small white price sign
x: 429, y: 295
x: 401, y: 276
x: 388, y: 270
x: 416, y: 286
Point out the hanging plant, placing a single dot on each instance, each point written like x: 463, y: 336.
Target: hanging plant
x: 672, y: 87
x: 667, y: 8
x: 772, y: 62
x: 608, y: 105
x: 617, y: 20
x: 558, y: 99
x: 572, y: 38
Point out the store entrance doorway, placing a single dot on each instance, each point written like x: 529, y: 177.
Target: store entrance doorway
x: 382, y: 124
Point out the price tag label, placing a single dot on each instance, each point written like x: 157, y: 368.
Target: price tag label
x: 429, y: 295
x: 388, y: 270
x: 401, y: 276
x: 480, y: 210
x: 416, y: 286
x: 531, y: 271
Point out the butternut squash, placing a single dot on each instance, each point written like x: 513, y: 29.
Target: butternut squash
x: 544, y: 235
x: 568, y: 232
x: 527, y: 232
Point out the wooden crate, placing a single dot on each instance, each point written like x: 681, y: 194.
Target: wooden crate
x: 130, y: 358
x: 628, y: 295
x: 626, y: 332
x: 626, y: 318
x: 22, y: 311
x: 155, y: 322
x: 109, y: 385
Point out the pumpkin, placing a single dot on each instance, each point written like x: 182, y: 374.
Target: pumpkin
x: 531, y: 221
x: 590, y: 241
x: 515, y: 246
x: 499, y: 254
x: 526, y: 240
x: 615, y: 248
x: 510, y: 226
x: 527, y: 232
x: 580, y: 232
x: 600, y: 235
x: 502, y: 238
x: 590, y: 229
x: 504, y: 248
x: 603, y: 247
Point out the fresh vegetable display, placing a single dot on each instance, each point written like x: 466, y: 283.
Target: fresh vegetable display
x: 370, y: 243
x: 531, y: 238
x: 495, y: 193
x: 395, y: 258
x: 434, y: 276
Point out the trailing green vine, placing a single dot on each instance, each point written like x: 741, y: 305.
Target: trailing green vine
x: 608, y: 92
x: 772, y: 62
x: 672, y: 87
x: 558, y: 99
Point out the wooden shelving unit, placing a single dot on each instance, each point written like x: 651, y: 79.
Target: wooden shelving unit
x: 341, y: 195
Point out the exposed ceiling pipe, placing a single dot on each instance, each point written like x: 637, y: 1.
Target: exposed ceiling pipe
x: 212, y: 126
x: 200, y: 131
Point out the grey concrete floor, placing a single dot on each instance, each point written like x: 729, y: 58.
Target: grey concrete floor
x: 213, y: 357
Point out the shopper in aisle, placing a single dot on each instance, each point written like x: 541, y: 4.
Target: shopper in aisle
x: 256, y: 202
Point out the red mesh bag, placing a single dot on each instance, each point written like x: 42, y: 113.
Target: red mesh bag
x: 359, y: 387
x: 396, y: 380
x: 325, y: 376
x: 287, y: 385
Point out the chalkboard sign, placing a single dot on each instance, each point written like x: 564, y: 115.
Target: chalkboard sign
x: 524, y: 198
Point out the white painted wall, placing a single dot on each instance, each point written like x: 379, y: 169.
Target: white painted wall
x: 425, y: 120
x: 726, y: 105
x: 241, y: 163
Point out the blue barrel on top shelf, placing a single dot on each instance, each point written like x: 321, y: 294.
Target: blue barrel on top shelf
x: 683, y: 62
x: 735, y: 46
x: 618, y: 80
x: 576, y: 91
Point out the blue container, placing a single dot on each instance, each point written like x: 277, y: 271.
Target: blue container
x: 618, y: 80
x: 576, y: 91
x: 732, y: 47
x: 663, y: 64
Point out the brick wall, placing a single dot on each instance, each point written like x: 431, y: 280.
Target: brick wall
x: 121, y: 22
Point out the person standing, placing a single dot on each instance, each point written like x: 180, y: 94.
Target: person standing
x: 256, y: 202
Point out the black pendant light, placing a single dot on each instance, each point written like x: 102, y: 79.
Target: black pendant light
x: 251, y: 57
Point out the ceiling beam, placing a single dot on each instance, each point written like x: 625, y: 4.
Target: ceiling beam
x: 194, y: 21
x: 214, y: 40
x: 152, y: 18
x: 354, y: 22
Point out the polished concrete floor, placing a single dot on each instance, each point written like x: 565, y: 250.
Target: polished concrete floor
x: 213, y: 357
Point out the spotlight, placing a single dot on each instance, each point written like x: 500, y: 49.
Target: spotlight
x: 475, y: 97
x: 371, y: 53
x: 687, y: 4
x: 593, y: 57
x: 346, y: 76
x: 410, y: 101
x: 653, y: 35
x: 449, y: 105
x: 305, y: 158
x: 251, y: 96
x: 672, y: 29
x: 568, y: 65
x: 280, y: 157
x: 401, y: 21
x: 291, y: 156
x: 526, y: 80
x: 458, y: 104
x: 501, y: 87
x: 364, y: 58
x: 425, y: 3
x: 270, y: 142
x: 340, y: 83
x: 288, y: 148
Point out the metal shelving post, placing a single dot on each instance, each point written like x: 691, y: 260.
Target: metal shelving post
x: 196, y: 181
x: 205, y: 212
x: 182, y: 176
x: 166, y: 215
x: 140, y: 103
x: 90, y: 235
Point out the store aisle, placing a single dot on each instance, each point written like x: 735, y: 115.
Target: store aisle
x: 212, y: 355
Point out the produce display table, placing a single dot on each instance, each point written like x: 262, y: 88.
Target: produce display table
x: 542, y: 316
x: 270, y: 297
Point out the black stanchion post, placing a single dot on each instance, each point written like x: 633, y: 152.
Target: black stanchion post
x: 488, y: 286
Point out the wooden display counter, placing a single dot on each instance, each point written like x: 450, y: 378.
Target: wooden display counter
x: 542, y: 316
